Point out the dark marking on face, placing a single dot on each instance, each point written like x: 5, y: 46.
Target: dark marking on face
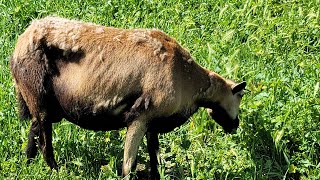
x: 220, y: 115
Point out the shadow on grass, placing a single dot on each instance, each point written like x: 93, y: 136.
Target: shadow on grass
x: 270, y: 161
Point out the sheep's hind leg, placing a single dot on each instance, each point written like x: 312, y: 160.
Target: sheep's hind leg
x: 41, y: 133
x: 45, y: 141
x: 31, y: 149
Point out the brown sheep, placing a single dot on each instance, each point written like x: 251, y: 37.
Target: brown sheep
x: 104, y: 78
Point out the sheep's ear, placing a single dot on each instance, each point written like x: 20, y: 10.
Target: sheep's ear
x: 239, y: 87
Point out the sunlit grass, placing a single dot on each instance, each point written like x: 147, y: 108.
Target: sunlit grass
x: 273, y: 45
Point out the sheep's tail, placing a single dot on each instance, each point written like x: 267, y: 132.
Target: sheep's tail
x: 24, y: 112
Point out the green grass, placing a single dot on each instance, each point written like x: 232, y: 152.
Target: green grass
x: 273, y: 44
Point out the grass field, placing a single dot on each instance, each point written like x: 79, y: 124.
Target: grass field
x: 273, y: 44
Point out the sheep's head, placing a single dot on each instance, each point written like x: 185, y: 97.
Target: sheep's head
x: 226, y: 109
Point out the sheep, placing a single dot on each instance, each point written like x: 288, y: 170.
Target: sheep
x: 105, y: 78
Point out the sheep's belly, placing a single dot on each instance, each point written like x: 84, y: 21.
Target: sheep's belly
x: 102, y: 119
x: 98, y: 122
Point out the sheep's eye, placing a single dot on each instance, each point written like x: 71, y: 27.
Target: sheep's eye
x: 240, y: 95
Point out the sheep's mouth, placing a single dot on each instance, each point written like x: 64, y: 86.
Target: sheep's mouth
x: 223, y: 119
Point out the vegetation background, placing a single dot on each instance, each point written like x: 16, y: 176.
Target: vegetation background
x: 272, y: 44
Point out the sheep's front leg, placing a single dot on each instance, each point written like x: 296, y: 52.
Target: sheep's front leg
x: 153, y: 149
x: 135, y: 133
